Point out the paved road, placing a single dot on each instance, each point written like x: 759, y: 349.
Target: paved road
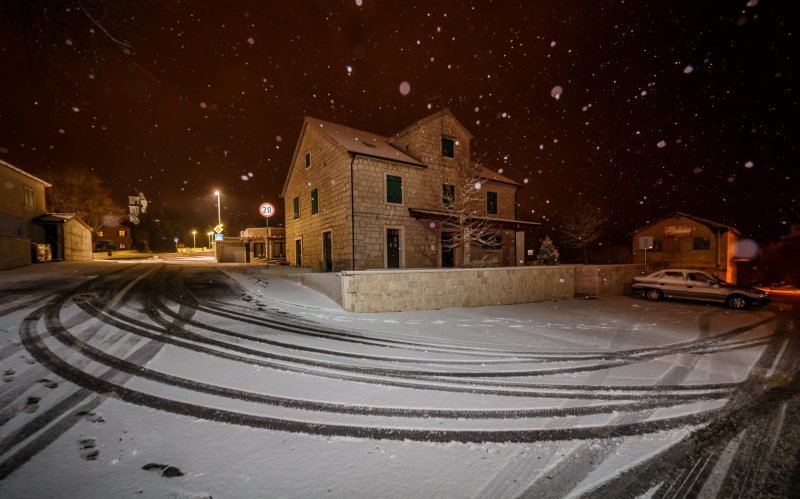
x: 82, y: 343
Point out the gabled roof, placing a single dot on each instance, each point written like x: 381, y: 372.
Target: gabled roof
x: 708, y: 223
x: 354, y: 141
x: 435, y: 116
x: 362, y: 143
x: 488, y: 174
x: 23, y: 172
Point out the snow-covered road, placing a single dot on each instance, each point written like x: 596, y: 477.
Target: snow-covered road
x: 228, y: 381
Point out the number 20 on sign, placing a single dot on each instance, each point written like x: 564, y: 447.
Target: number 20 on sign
x: 266, y: 210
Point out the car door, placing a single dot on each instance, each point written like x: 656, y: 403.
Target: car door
x: 701, y: 286
x: 672, y: 283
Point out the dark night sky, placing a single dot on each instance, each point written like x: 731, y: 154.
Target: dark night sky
x: 665, y: 105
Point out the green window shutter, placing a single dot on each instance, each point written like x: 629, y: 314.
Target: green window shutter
x: 315, y: 201
x: 394, y: 189
x: 491, y: 202
x: 296, y: 204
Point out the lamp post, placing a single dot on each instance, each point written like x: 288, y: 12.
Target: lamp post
x: 194, y: 239
x: 209, y: 234
x: 219, y: 213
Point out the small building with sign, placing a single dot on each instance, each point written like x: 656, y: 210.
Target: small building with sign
x: 680, y: 240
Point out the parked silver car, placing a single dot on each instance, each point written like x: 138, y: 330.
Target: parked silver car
x: 696, y: 285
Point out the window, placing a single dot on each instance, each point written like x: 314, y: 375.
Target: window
x: 700, y: 243
x: 296, y: 205
x: 657, y: 245
x: 315, y: 201
x: 99, y: 233
x: 491, y: 202
x: 28, y: 197
x: 121, y: 245
x: 308, y: 159
x: 448, y: 147
x: 493, y: 242
x: 448, y: 194
x: 122, y: 232
x: 394, y: 189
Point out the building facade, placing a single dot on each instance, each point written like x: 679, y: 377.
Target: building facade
x: 685, y: 241
x: 23, y: 200
x: 355, y: 200
x: 113, y: 237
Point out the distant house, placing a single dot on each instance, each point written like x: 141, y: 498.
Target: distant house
x: 680, y: 240
x: 68, y: 237
x: 355, y: 200
x: 21, y: 201
x: 113, y: 237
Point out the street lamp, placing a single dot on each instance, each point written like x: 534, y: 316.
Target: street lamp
x: 219, y: 213
x: 194, y: 239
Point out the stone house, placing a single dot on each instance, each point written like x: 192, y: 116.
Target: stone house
x: 23, y: 200
x: 685, y: 241
x: 356, y: 200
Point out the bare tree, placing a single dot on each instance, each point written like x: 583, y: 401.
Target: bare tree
x: 464, y: 205
x: 581, y: 226
x: 83, y: 193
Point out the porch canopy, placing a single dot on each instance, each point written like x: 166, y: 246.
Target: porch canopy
x: 503, y: 223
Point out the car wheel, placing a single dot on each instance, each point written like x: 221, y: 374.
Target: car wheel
x: 737, y: 302
x: 653, y: 295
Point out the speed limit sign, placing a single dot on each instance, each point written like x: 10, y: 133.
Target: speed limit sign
x: 266, y: 210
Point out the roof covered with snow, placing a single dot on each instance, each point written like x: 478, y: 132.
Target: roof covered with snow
x: 362, y: 143
x: 23, y: 172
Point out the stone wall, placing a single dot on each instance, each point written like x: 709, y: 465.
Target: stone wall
x: 605, y: 280
x: 430, y: 289
x: 14, y: 252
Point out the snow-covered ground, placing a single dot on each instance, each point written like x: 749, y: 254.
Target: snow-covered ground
x: 268, y: 389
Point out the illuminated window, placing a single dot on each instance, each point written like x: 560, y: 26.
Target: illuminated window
x: 394, y: 189
x: 448, y: 147
x: 296, y: 205
x: 491, y: 202
x: 99, y: 233
x: 122, y: 232
x: 315, y: 201
x: 121, y: 245
x: 28, y: 197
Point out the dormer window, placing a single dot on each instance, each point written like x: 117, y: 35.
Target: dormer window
x: 448, y: 147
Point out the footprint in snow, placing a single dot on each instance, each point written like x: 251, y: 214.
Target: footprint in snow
x: 92, y: 417
x: 164, y: 469
x: 8, y: 376
x: 48, y: 383
x: 89, y: 452
x: 32, y: 405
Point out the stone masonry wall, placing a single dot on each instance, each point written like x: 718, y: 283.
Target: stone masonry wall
x: 330, y: 174
x: 605, y: 280
x: 430, y: 289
